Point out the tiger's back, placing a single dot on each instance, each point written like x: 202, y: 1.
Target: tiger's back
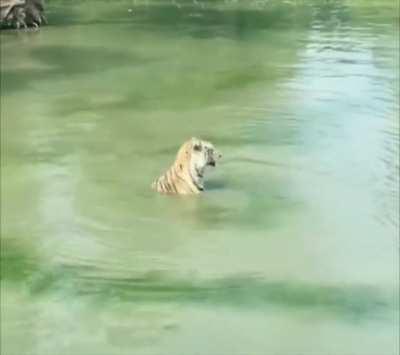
x: 174, y: 182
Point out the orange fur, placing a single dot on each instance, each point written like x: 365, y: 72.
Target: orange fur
x: 181, y: 178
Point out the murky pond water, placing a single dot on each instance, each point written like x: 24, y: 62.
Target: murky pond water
x: 293, y: 248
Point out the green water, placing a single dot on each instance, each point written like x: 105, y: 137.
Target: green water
x: 292, y: 250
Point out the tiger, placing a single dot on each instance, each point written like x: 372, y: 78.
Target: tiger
x: 186, y: 175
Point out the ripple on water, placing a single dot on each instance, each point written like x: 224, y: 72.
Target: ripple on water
x: 300, y: 217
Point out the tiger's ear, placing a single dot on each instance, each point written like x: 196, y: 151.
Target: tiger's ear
x: 197, y: 147
x: 196, y: 144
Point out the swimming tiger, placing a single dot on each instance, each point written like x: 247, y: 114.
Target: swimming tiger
x: 186, y: 175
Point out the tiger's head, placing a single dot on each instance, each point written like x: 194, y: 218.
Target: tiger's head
x: 203, y: 155
x: 199, y: 155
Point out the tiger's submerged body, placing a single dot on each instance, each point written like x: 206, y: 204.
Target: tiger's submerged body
x: 186, y: 175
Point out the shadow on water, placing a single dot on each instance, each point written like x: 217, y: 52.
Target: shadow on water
x: 247, y: 293
x: 202, y: 19
x: 63, y: 61
x: 217, y: 185
x: 244, y: 291
x: 207, y: 21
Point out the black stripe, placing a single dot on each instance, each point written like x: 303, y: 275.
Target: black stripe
x: 170, y: 181
x: 173, y: 182
x: 167, y: 181
x: 168, y: 185
x: 163, y: 189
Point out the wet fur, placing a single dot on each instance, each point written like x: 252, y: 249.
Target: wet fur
x: 184, y: 177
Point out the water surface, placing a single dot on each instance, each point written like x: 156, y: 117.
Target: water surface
x: 293, y: 248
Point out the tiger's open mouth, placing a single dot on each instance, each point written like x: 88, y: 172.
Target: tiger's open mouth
x: 212, y: 163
